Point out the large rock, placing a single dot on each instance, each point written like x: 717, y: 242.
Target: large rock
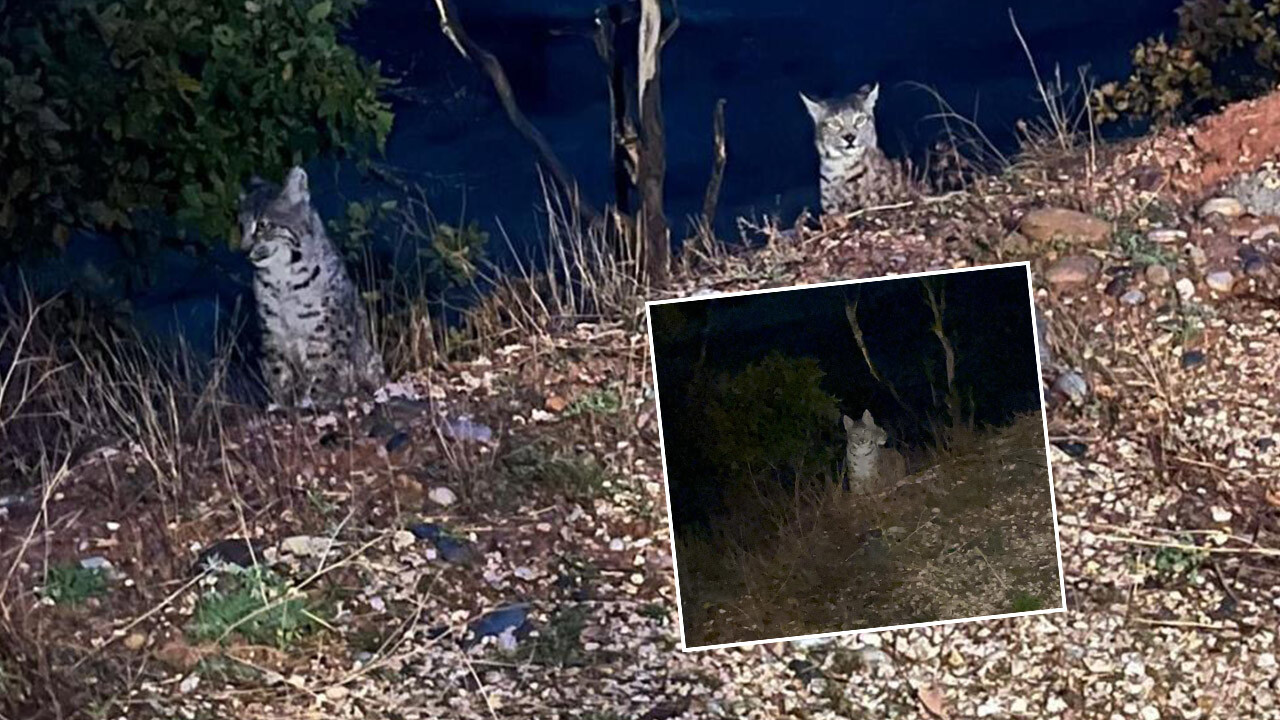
x: 1072, y: 270
x: 1044, y: 225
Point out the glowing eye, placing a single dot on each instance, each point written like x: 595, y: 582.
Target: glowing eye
x: 1271, y: 181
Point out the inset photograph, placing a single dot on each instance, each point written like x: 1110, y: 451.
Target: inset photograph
x: 856, y: 456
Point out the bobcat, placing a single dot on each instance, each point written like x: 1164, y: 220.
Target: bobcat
x: 315, y: 331
x: 869, y: 466
x: 854, y: 172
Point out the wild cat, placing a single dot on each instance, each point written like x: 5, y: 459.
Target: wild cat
x: 869, y: 465
x: 315, y: 331
x: 854, y: 172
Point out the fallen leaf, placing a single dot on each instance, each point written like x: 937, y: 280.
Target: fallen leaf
x: 555, y: 403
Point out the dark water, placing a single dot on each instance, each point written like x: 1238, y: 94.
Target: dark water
x: 452, y: 138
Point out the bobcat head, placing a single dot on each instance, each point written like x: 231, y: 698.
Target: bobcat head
x: 865, y: 436
x: 275, y: 222
x: 844, y: 128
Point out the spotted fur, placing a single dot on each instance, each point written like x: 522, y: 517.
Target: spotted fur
x: 854, y: 172
x: 868, y: 464
x: 315, y: 331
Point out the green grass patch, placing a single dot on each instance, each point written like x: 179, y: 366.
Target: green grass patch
x: 597, y: 402
x: 72, y: 584
x: 1024, y: 601
x: 255, y: 604
x: 1142, y: 251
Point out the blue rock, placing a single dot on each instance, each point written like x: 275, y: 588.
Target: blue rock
x: 500, y: 620
x: 425, y: 531
x: 397, y: 441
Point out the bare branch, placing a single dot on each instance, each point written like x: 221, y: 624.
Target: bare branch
x: 451, y: 26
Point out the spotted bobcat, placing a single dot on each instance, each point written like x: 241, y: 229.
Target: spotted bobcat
x: 315, y: 331
x: 868, y: 465
x: 854, y: 172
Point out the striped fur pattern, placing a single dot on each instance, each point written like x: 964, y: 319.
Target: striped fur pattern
x: 868, y: 464
x: 315, y: 331
x: 854, y: 172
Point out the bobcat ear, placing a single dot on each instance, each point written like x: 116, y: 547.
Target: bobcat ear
x: 295, y: 186
x: 867, y: 419
x: 869, y: 98
x: 848, y: 422
x: 815, y: 107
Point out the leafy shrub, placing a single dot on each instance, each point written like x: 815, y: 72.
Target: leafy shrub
x: 117, y: 111
x: 773, y: 413
x: 1223, y: 50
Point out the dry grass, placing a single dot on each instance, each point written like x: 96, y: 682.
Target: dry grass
x: 841, y: 545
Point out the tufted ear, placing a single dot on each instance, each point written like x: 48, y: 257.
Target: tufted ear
x: 848, y: 422
x: 867, y: 419
x: 816, y: 108
x: 295, y: 186
x: 869, y: 97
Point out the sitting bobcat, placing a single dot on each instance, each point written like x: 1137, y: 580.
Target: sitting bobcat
x: 868, y: 465
x: 315, y: 330
x: 854, y: 171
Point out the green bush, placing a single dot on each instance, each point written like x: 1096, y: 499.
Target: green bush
x: 1223, y: 50
x: 116, y: 113
x: 772, y: 414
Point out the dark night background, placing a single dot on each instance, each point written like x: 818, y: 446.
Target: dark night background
x: 987, y: 319
x: 451, y: 136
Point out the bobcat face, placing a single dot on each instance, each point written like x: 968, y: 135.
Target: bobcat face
x: 274, y: 220
x: 868, y: 464
x: 846, y: 128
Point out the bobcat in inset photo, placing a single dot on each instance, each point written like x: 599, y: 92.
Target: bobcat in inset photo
x: 854, y: 172
x: 868, y: 464
x: 315, y: 331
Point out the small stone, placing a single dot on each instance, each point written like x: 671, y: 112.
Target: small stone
x: 1196, y: 255
x: 1133, y: 297
x: 1157, y: 275
x: 1072, y: 386
x: 1192, y: 358
x: 1166, y: 235
x: 1220, y: 281
x: 1045, y: 225
x: 1220, y: 514
x: 1227, y: 207
x: 442, y: 496
x: 1255, y: 267
x: 96, y: 562
x: 1186, y: 288
x: 1150, y: 713
x: 135, y: 641
x: 555, y: 404
x: 336, y: 692
x: 1072, y: 270
x: 1266, y: 661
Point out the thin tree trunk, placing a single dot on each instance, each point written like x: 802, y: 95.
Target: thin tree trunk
x: 651, y: 167
x: 720, y: 157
